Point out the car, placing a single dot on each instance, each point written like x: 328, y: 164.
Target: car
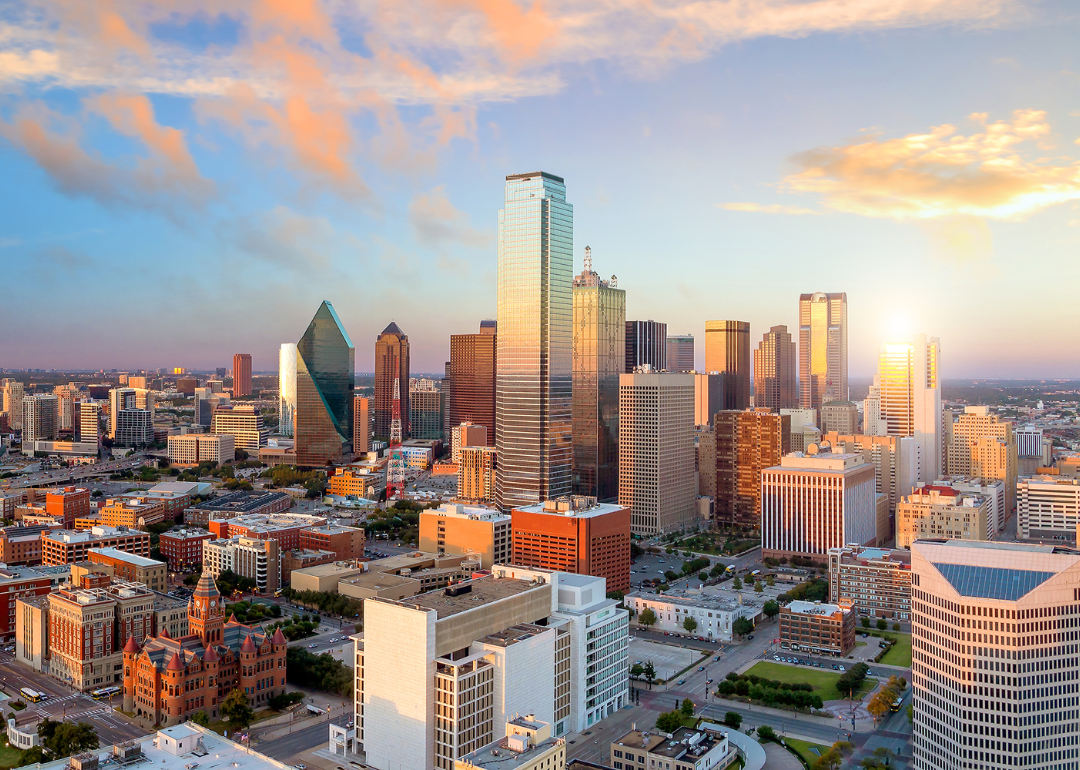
x: 681, y: 681
x: 700, y: 668
x: 835, y: 667
x: 776, y: 657
x: 299, y: 766
x: 717, y: 658
x: 708, y: 681
x: 751, y: 636
x: 310, y: 646
x: 841, y: 669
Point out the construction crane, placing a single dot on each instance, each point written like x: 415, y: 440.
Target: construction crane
x: 395, y: 469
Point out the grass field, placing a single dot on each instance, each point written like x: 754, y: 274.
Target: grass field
x: 824, y: 682
x: 9, y: 757
x: 900, y: 653
x: 802, y: 748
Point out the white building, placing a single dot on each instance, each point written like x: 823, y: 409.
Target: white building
x: 713, y: 614
x: 243, y: 423
x: 909, y: 382
x: 40, y: 417
x: 248, y: 557
x: 287, y: 388
x: 1048, y: 507
x: 992, y: 489
x: 89, y: 421
x: 194, y: 448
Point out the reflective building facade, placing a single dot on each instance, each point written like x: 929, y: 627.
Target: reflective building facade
x: 472, y: 378
x: 909, y: 385
x: 774, y: 371
x: 727, y: 352
x: 391, y: 361
x: 646, y: 343
x: 599, y: 358
x: 535, y: 318
x: 325, y: 377
x: 286, y: 387
x: 823, y: 349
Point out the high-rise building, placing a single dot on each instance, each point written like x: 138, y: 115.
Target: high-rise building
x: 941, y: 513
x: 599, y: 358
x: 747, y: 442
x: 774, y: 371
x: 467, y: 434
x: 195, y: 448
x: 873, y: 424
x: 325, y: 378
x: 187, y: 385
x: 840, y: 417
x: 286, y: 388
x: 727, y: 351
x: 206, y: 401
x: 680, y: 353
x: 425, y: 410
x: 656, y: 451
x: 533, y: 434
x: 131, y: 417
x: 646, y: 343
x: 66, y: 406
x: 823, y: 349
x: 909, y: 379
x: 876, y: 580
x: 476, y: 473
x: 362, y: 424
x: 40, y: 417
x: 1033, y: 450
x: 895, y: 459
x: 391, y: 363
x: 982, y: 445
x: 708, y: 397
x: 12, y: 392
x: 705, y: 446
x: 89, y: 421
x: 241, y: 374
x: 993, y: 661
x: 472, y: 378
x: 244, y: 423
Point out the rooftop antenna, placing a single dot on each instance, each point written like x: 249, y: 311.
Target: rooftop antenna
x: 588, y: 260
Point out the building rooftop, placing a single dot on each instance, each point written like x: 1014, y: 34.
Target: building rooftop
x: 468, y: 595
x: 95, y: 533
x: 641, y: 740
x: 856, y: 554
x: 510, y: 636
x: 331, y: 570
x: 576, y: 506
x: 694, y: 598
x: 815, y: 608
x: 239, y: 501
x: 184, y: 534
x: 510, y: 751
x: 330, y: 529
x: 275, y: 522
x: 130, y: 558
x: 458, y: 511
x: 179, y: 487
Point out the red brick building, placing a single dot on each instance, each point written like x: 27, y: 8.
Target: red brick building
x: 285, y: 528
x: 18, y: 583
x: 183, y: 548
x: 299, y: 559
x: 346, y: 542
x: 22, y: 544
x: 68, y: 504
x: 65, y: 547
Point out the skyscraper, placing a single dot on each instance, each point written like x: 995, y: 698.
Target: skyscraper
x: 599, y: 358
x: 981, y: 444
x: 774, y: 371
x: 40, y: 417
x: 12, y: 392
x: 535, y: 348
x: 361, y: 424
x: 391, y: 362
x: 680, y: 353
x: 823, y: 359
x: 241, y: 374
x: 646, y: 343
x: 286, y: 388
x: 910, y: 391
x: 425, y: 410
x: 472, y: 378
x: 727, y: 351
x: 747, y: 442
x: 325, y: 377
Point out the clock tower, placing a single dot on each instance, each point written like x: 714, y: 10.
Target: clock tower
x: 206, y: 612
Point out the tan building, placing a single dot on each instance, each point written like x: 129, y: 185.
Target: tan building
x: 1048, y: 507
x: 131, y: 512
x: 467, y: 434
x: 455, y: 529
x: 685, y: 749
x: 64, y: 546
x: 823, y: 348
x: 877, y: 581
x: 301, y: 558
x: 981, y: 444
x: 243, y: 423
x: 132, y: 568
x: 774, y: 371
x: 248, y: 557
x: 476, y: 473
x: 362, y: 424
x: 32, y: 632
x: 398, y: 577
x: 840, y: 417
x: 747, y: 442
x: 352, y: 482
x: 528, y: 745
x: 324, y: 577
x: 827, y: 629
x: 934, y: 512
x: 895, y: 460
x: 194, y: 448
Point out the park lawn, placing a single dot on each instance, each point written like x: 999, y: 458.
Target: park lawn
x: 220, y: 726
x: 802, y: 748
x: 10, y: 757
x: 824, y: 682
x: 900, y: 653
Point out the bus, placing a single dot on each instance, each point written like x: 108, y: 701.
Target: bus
x: 277, y: 593
x: 31, y: 695
x: 896, y: 704
x: 104, y: 693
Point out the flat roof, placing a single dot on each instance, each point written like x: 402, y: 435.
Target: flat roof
x: 813, y: 608
x: 330, y: 570
x: 498, y: 755
x: 599, y: 509
x: 485, y: 590
x: 238, y: 501
x: 705, y: 601
x: 140, y: 561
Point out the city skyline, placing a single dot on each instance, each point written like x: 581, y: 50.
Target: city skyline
x: 203, y: 142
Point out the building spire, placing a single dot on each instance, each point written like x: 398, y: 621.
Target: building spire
x: 588, y: 260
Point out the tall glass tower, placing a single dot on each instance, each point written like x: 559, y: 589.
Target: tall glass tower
x: 599, y: 358
x: 823, y: 349
x: 325, y: 377
x: 286, y: 388
x: 534, y: 343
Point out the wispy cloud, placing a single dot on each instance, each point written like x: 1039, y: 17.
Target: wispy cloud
x: 436, y: 223
x: 284, y: 237
x: 64, y: 258
x: 772, y: 208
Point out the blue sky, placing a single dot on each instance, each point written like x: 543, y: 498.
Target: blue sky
x: 185, y: 181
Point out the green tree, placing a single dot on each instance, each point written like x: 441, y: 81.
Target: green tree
x: 690, y: 625
x: 236, y: 708
x: 742, y: 626
x: 882, y: 624
x: 766, y: 733
x: 669, y: 721
x: 200, y: 718
x: 637, y: 670
x: 736, y: 583
x: 771, y: 609
x: 733, y: 719
x: 865, y: 622
x: 758, y: 586
x: 895, y: 626
x: 687, y: 707
x: 647, y: 618
x: 62, y: 739
x: 770, y: 581
x: 34, y: 755
x: 649, y: 672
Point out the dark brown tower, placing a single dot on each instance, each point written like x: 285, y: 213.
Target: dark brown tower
x: 472, y: 376
x: 391, y: 361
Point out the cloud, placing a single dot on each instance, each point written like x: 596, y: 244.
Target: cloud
x: 437, y: 224
x: 992, y: 173
x: 283, y: 237
x: 63, y: 257
x: 773, y: 208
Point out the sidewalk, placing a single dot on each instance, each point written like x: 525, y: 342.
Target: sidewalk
x: 860, y: 727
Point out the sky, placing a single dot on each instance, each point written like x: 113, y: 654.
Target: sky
x: 187, y: 180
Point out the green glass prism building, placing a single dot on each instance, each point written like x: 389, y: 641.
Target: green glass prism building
x: 534, y: 343
x: 325, y: 377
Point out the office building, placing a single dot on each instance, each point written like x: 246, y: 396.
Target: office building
x: 646, y: 345
x: 705, y: 446
x: 840, y: 417
x: 535, y: 342
x: 40, y: 417
x: 19, y: 583
x: 325, y: 377
x: 982, y: 445
x: 248, y: 557
x: 942, y: 513
x: 468, y: 434
x: 206, y: 400
x: 872, y: 422
x: 472, y: 369
x: 774, y: 371
x: 476, y: 474
x: 391, y: 363
x: 183, y: 548
x: 241, y: 374
x: 685, y: 749
x: 286, y: 528
x: 425, y: 410
x: 455, y: 529
x: 1048, y: 508
x: 876, y: 581
x: 89, y: 428
x: 344, y: 542
x: 820, y: 500
x: 21, y: 544
x: 437, y: 674
x: 287, y: 388
x: 300, y: 558
x: 575, y: 534
x: 243, y: 423
x: 66, y: 504
x: 362, y: 424
x: 816, y: 628
x: 895, y: 460
x: 909, y: 382
x: 131, y: 417
x: 993, y: 666
x: 12, y: 392
x: 528, y: 745
x: 598, y: 361
x: 656, y: 451
x: 186, y: 385
x: 132, y: 568
x: 708, y: 397
x: 804, y: 430
x: 233, y: 504
x: 992, y: 490
x: 131, y: 512
x: 823, y: 349
x: 62, y: 546
x: 680, y: 353
x: 747, y: 442
x: 194, y: 448
x: 355, y: 482
x: 65, y: 414
x: 715, y: 614
x: 1033, y: 450
x: 727, y: 352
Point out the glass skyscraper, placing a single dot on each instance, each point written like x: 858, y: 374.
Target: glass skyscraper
x: 599, y: 358
x: 534, y: 343
x: 325, y: 377
x: 823, y: 349
x: 286, y: 388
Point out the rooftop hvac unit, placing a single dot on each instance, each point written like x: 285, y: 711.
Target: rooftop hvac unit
x: 127, y: 751
x: 88, y: 760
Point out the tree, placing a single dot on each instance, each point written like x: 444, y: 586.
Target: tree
x: 879, y: 705
x: 895, y: 626
x: 236, y: 708
x: 766, y: 733
x: 63, y: 739
x: 758, y: 586
x: 865, y: 622
x: 687, y: 708
x: 736, y: 583
x: 669, y: 722
x: 770, y: 581
x: 637, y: 670
x: 829, y: 760
x: 690, y: 625
x: 647, y: 618
x: 649, y: 672
x: 742, y: 626
x: 733, y: 719
x: 771, y: 609
x: 201, y: 718
x: 882, y: 624
x: 703, y: 576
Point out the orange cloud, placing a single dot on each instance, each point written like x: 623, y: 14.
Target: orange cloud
x: 773, y: 208
x: 133, y: 115
x: 293, y: 18
x: 518, y: 32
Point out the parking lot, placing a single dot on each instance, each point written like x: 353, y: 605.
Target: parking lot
x: 667, y: 659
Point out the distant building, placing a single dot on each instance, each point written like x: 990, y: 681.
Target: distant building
x: 362, y: 424
x: 89, y: 417
x: 994, y: 492
x: 820, y: 629
x: 241, y: 373
x: 287, y: 388
x: 1048, y: 508
x: 11, y: 394
x: 425, y: 410
x: 727, y: 351
x: 286, y: 528
x: 193, y: 448
x: 680, y: 353
x: 183, y: 548
x: 40, y: 417
x: 933, y: 512
x: 468, y: 434
x: 877, y: 581
x: 235, y: 504
x: 909, y: 383
x: 243, y: 423
x: 476, y: 474
x: 714, y: 614
x: 708, y: 397
x: 325, y: 378
x: 455, y: 529
x: 352, y: 482
x: 823, y: 348
x: 982, y: 445
x: 131, y: 512
x: 472, y: 379
x: 646, y: 345
x: 747, y: 442
x: 705, y: 446
x: 131, y: 416
x: 774, y: 371
x: 895, y: 460
x: 391, y: 362
x: 1033, y: 450
x: 840, y: 416
x: 132, y: 568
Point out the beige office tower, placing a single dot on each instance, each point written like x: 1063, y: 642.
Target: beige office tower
x: 895, y: 459
x: 476, y: 473
x: 993, y: 658
x: 942, y: 513
x: 89, y: 421
x: 12, y: 392
x: 872, y: 424
x: 804, y: 429
x: 656, y: 451
x: 840, y: 416
x: 727, y: 352
x: 467, y: 434
x: 707, y: 397
x: 362, y: 424
x: 66, y: 394
x: 774, y: 371
x: 982, y: 445
x: 823, y: 349
x: 909, y: 378
x: 40, y: 418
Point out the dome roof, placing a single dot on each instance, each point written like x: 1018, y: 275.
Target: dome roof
x: 131, y: 645
x: 175, y: 664
x: 248, y: 645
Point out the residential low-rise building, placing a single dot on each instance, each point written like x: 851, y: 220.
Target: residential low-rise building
x: 64, y: 546
x: 821, y: 629
x: 877, y: 581
x: 713, y: 615
x: 132, y: 568
x: 941, y: 513
x: 183, y: 548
